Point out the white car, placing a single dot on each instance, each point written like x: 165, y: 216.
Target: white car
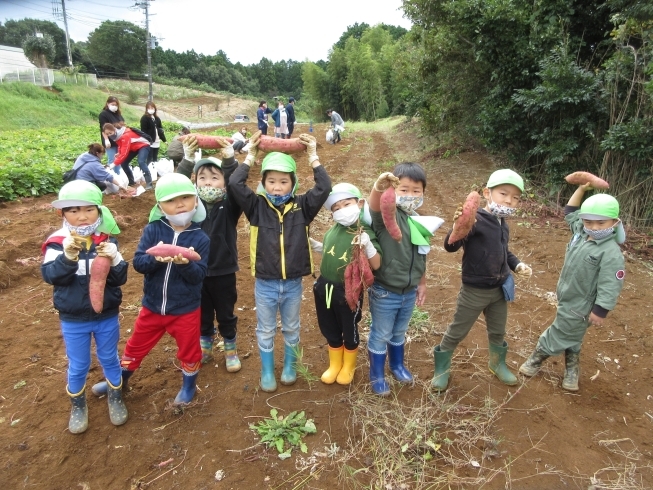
x: 241, y: 118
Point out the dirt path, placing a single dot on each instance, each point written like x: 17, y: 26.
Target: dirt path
x: 537, y: 435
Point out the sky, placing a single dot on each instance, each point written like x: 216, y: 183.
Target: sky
x: 247, y: 30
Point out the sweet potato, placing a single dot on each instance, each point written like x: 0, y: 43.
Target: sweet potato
x: 389, y: 213
x: 267, y: 143
x: 580, y: 178
x: 358, y: 276
x: 99, y: 272
x: 466, y: 220
x: 166, y: 250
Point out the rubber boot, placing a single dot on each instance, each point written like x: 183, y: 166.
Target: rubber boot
x: 396, y: 363
x: 534, y: 362
x: 188, y: 388
x: 377, y: 374
x: 78, y: 421
x: 335, y: 365
x: 442, y: 360
x: 148, y: 181
x: 289, y: 373
x: 100, y: 389
x: 346, y: 374
x: 497, y: 364
x: 117, y: 409
x: 231, y: 356
x: 268, y: 381
x: 206, y: 344
x: 572, y: 371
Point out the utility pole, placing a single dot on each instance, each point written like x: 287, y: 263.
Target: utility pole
x: 145, y: 5
x: 55, y: 11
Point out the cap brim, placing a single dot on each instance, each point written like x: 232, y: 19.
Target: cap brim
x: 594, y: 217
x: 338, y: 196
x: 70, y: 203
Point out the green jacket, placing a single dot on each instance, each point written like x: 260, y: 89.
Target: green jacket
x: 337, y: 247
x: 593, y: 273
x: 402, y: 266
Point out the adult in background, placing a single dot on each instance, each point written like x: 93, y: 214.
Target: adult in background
x: 290, y: 110
x: 176, y: 148
x: 151, y: 124
x: 262, y: 116
x: 240, y: 140
x: 110, y: 114
x: 89, y: 168
x: 280, y: 121
x: 337, y: 124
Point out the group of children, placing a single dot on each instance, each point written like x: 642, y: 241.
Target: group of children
x: 185, y: 297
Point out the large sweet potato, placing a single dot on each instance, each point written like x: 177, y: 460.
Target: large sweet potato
x: 166, y: 250
x: 358, y: 276
x: 99, y: 271
x: 466, y: 220
x: 580, y: 178
x: 267, y: 143
x: 389, y: 213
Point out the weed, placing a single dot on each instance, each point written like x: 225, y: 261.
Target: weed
x: 302, y: 369
x: 284, y: 433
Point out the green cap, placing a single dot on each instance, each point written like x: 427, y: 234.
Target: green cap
x: 279, y: 162
x: 340, y: 192
x: 207, y: 161
x: 174, y: 185
x: 505, y: 176
x: 84, y: 193
x: 599, y: 206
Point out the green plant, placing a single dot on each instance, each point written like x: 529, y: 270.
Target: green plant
x: 284, y: 433
x: 132, y: 93
x: 419, y: 319
x: 301, y: 368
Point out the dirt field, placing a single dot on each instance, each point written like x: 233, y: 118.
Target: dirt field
x: 540, y: 437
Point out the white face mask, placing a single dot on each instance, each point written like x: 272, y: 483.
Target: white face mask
x: 151, y: 111
x: 181, y: 219
x: 113, y: 108
x: 347, y: 216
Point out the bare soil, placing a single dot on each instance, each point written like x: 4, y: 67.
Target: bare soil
x: 546, y: 438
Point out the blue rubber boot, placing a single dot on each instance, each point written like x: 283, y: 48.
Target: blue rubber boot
x: 289, y: 373
x: 78, y: 422
x: 188, y: 388
x: 268, y: 381
x: 100, y: 389
x: 396, y: 363
x: 377, y: 373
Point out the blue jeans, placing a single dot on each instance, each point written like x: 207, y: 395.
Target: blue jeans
x: 111, y: 156
x: 284, y: 296
x: 77, y: 337
x: 391, y: 314
x: 142, y: 155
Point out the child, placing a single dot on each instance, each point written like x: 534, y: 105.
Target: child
x: 279, y: 247
x: 172, y: 288
x: 130, y: 145
x: 487, y: 284
x: 337, y: 322
x: 219, y: 292
x: 400, y: 282
x: 85, y: 235
x: 589, y: 285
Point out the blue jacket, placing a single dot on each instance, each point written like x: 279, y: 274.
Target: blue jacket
x: 290, y: 110
x: 261, y: 116
x: 71, y: 280
x: 172, y: 289
x: 93, y: 170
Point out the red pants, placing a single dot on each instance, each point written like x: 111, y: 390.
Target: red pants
x: 150, y: 327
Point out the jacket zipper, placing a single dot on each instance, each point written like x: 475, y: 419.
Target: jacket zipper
x: 283, y: 255
x: 165, y: 280
x: 410, y: 269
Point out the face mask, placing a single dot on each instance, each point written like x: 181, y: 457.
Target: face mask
x: 151, y: 111
x: 409, y: 204
x: 347, y: 216
x: 211, y: 194
x: 181, y: 219
x: 119, y: 133
x: 86, y: 230
x: 501, y: 211
x: 113, y: 108
x: 599, y: 234
x: 278, y: 200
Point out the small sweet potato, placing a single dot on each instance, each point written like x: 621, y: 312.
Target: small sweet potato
x: 267, y: 143
x: 166, y: 250
x: 466, y: 220
x: 99, y: 272
x: 580, y: 178
x: 389, y: 213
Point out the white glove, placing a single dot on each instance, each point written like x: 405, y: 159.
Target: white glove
x: 523, y: 270
x: 385, y: 180
x: 190, y: 147
x: 109, y: 250
x: 107, y: 143
x: 71, y: 249
x: 227, y: 152
x: 364, y: 241
x: 311, y: 146
x: 253, y: 148
x: 315, y: 245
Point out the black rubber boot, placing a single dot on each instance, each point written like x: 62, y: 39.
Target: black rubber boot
x: 572, y: 371
x: 533, y: 363
x: 78, y: 421
x: 117, y: 409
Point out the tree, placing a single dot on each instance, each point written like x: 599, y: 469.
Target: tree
x: 118, y: 46
x: 355, y: 31
x: 39, y: 50
x: 15, y: 32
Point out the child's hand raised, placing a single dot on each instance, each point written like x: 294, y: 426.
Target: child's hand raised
x: 385, y: 180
